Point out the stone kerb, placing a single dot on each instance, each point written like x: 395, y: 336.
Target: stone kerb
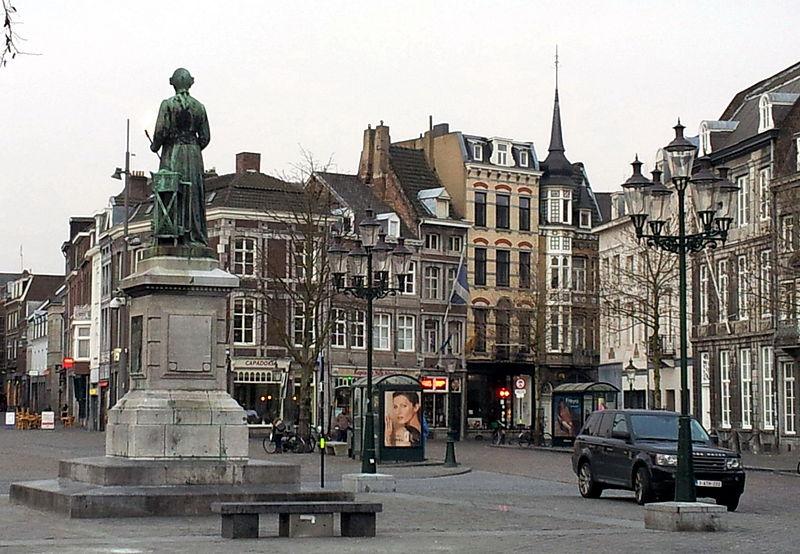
x: 685, y: 516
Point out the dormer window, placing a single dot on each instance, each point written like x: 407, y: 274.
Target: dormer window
x: 523, y: 158
x: 764, y: 114
x: 477, y: 152
x: 390, y: 223
x: 586, y: 219
x: 705, y: 138
x: 502, y: 154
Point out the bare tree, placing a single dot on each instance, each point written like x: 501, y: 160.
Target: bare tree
x: 299, y: 284
x: 10, y: 37
x: 637, y: 287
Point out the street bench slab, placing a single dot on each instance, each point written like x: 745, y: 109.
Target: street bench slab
x: 336, y: 448
x: 240, y: 519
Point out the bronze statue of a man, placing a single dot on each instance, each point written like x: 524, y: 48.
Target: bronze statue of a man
x: 182, y: 133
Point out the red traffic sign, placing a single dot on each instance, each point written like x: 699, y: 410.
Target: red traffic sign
x: 520, y: 383
x: 68, y: 363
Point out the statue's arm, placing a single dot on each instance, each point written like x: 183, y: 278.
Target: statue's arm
x: 162, y: 127
x: 203, y: 133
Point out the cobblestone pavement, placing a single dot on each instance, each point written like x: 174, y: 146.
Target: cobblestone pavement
x: 514, y: 500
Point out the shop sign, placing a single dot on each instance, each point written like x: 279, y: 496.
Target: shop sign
x: 93, y: 391
x: 357, y: 373
x: 68, y: 363
x: 434, y: 384
x: 260, y: 363
x: 103, y: 383
x: 48, y: 420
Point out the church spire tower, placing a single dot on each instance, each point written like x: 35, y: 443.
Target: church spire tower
x: 558, y: 169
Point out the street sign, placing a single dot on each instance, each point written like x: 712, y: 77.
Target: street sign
x: 68, y: 363
x: 11, y: 418
x: 520, y: 393
x: 520, y: 383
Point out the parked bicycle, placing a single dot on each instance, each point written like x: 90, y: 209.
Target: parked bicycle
x: 499, y: 434
x: 283, y: 439
x: 527, y: 438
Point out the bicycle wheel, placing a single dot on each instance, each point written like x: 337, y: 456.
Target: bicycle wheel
x: 269, y: 445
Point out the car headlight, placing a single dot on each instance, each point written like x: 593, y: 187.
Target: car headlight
x: 733, y: 463
x: 666, y: 459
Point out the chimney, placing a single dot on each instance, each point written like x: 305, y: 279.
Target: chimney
x: 248, y: 162
x: 382, y: 143
x: 367, y: 155
x: 429, y: 143
x: 139, y: 188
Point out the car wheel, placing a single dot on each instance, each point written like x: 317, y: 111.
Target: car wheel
x: 729, y: 501
x: 588, y: 487
x: 642, y: 489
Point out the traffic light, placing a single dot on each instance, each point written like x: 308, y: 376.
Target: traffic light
x: 503, y: 393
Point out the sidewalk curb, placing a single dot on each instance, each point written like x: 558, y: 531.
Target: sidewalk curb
x: 557, y: 449
x: 772, y: 470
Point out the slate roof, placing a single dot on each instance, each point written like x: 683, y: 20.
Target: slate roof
x: 557, y: 168
x: 488, y: 148
x: 414, y: 175
x: 359, y: 197
x: 604, y: 203
x: 744, y: 107
x: 248, y: 191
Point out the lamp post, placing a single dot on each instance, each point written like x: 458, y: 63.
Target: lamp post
x: 450, y: 452
x: 713, y: 198
x: 368, y: 266
x: 630, y: 375
x: 118, y: 173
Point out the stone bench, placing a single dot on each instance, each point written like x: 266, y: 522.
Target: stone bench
x: 298, y: 519
x: 336, y: 448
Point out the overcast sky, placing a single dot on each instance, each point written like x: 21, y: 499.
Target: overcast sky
x: 276, y: 76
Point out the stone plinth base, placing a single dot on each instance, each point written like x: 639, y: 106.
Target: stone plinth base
x: 684, y: 516
x: 368, y: 482
x: 117, y: 487
x: 170, y: 424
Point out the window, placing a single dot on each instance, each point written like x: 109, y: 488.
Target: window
x: 746, y: 380
x: 765, y: 283
x: 579, y: 332
x: 722, y: 270
x: 524, y: 270
x: 559, y: 272
x: 358, y: 330
x: 524, y: 320
x: 82, y: 341
x: 787, y: 233
x: 409, y: 283
x: 767, y: 382
x: 480, y: 329
x: 452, y: 273
x: 502, y: 261
x: 579, y: 274
x: 339, y: 331
x: 477, y: 152
x: 501, y: 211
x: 764, y: 114
x: 524, y: 213
x: 105, y: 287
x: 586, y: 220
x: 560, y: 206
x: 432, y: 241
x: 455, y: 243
x: 725, y: 387
x: 405, y: 333
x: 431, y: 336
x: 703, y: 294
x: 523, y: 158
x: 480, y: 209
x: 502, y: 154
x: 455, y: 337
x: 480, y: 266
x: 620, y: 424
x: 555, y: 331
x: 741, y: 285
x: 555, y: 243
x: 381, y: 331
x: 743, y: 200
x: 788, y: 398
x: 244, y: 321
x: 302, y: 327
x: 244, y: 255
x: 764, y: 205
x: 432, y: 283
x: 787, y: 298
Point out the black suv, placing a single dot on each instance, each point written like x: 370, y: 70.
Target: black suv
x: 637, y: 450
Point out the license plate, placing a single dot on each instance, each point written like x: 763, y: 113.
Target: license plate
x: 706, y: 483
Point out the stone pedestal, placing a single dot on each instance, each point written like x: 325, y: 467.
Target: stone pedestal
x: 684, y: 516
x: 369, y: 482
x: 177, y: 441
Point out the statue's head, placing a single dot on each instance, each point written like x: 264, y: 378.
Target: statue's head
x: 181, y: 79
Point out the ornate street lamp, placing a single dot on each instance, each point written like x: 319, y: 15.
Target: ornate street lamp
x: 370, y: 266
x: 713, y: 198
x: 630, y: 375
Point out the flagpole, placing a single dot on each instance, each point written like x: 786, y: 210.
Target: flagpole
x: 445, y: 328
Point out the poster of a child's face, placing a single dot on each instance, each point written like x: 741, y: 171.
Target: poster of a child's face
x: 403, y: 426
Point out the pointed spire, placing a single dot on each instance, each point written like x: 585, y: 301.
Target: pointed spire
x: 558, y: 169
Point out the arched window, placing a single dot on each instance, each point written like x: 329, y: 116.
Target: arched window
x: 764, y: 114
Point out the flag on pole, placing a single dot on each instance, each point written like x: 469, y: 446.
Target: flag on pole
x: 460, y: 294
